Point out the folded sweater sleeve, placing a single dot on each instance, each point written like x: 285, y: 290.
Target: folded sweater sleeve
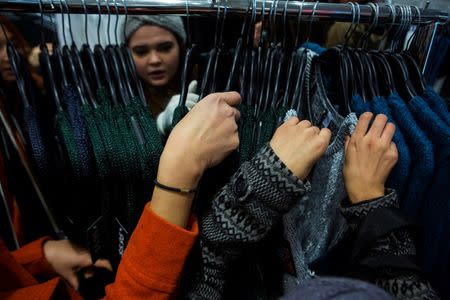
x: 153, y: 260
x: 31, y: 257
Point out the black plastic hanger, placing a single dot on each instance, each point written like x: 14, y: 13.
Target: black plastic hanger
x: 101, y: 61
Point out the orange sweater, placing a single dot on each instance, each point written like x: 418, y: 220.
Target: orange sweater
x: 150, y: 267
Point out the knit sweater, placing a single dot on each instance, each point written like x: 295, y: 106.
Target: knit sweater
x: 422, y: 158
x: 435, y: 215
x: 243, y: 213
x: 315, y: 224
x: 398, y: 178
x: 437, y: 104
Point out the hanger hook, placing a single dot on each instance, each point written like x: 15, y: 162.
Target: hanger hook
x: 116, y: 27
x: 85, y: 21
x: 385, y: 34
x: 311, y: 21
x: 62, y: 22
x: 347, y: 34
x: 126, y: 19
x: 99, y: 20
x: 284, y: 22
x: 108, y: 22
x: 299, y: 19
x: 411, y: 38
x: 42, y: 22
x: 70, y: 22
x: 373, y: 25
x: 188, y: 25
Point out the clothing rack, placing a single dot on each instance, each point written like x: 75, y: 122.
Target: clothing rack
x: 319, y: 11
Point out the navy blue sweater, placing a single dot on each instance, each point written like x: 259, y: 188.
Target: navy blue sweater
x: 422, y: 158
x: 436, y: 212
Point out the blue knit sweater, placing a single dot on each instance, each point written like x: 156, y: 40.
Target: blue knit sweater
x: 436, y: 212
x: 422, y: 159
x: 437, y: 104
x: 399, y: 176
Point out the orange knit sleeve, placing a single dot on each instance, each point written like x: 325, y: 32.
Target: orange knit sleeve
x: 153, y: 260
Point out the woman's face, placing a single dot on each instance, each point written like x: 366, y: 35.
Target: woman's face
x: 5, y: 68
x: 156, y: 54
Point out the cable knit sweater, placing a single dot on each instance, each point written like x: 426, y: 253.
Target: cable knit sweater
x: 243, y: 213
x: 422, y: 158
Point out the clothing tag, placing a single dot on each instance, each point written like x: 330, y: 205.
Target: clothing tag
x: 327, y: 120
x: 122, y: 238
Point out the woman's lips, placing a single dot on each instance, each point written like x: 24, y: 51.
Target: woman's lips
x: 157, y: 75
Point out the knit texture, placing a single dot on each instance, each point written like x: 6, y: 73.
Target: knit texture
x: 327, y: 288
x: 242, y: 214
x: 435, y: 215
x: 171, y: 23
x: 359, y: 106
x: 437, y: 104
x: 399, y: 174
x: 422, y: 158
x: 315, y: 224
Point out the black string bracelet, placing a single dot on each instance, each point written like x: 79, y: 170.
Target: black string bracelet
x: 173, y: 189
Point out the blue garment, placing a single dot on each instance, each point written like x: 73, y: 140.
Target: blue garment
x: 437, y: 104
x: 422, y: 158
x: 359, y: 106
x: 399, y: 176
x: 436, y: 212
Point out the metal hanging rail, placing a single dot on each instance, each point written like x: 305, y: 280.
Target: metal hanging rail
x: 323, y: 11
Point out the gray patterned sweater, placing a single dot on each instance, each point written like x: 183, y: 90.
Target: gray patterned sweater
x: 242, y: 213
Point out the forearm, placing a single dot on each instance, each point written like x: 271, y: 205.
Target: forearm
x: 242, y: 213
x: 384, y: 248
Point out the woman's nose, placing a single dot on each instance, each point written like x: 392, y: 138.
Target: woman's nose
x: 154, y: 58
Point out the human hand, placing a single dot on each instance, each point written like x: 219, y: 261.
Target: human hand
x: 299, y: 145
x: 203, y: 138
x: 370, y: 156
x: 164, y: 119
x: 68, y: 259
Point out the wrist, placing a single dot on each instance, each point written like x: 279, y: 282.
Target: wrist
x: 365, y: 195
x: 179, y: 171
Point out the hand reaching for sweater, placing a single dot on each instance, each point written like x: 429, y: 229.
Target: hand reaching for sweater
x: 67, y: 259
x: 299, y: 145
x: 370, y: 156
x: 206, y: 135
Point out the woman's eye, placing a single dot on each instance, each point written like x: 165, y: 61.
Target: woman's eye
x: 166, y: 47
x: 140, y: 51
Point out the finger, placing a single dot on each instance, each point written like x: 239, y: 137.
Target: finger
x: 347, y: 141
x: 292, y: 121
x: 388, y: 133
x: 237, y: 114
x: 192, y: 86
x: 363, y: 125
x: 378, y: 126
x: 104, y: 264
x: 304, y: 124
x: 73, y: 281
x: 326, y: 134
x: 231, y: 98
x: 315, y: 129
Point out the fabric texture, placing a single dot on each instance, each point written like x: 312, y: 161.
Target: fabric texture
x: 315, y: 224
x: 437, y: 104
x: 327, y: 288
x: 398, y: 178
x: 422, y: 157
x: 164, y: 119
x: 242, y: 213
x: 435, y: 215
x: 172, y: 23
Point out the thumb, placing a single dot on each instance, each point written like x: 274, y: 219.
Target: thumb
x: 192, y: 87
x: 231, y: 98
